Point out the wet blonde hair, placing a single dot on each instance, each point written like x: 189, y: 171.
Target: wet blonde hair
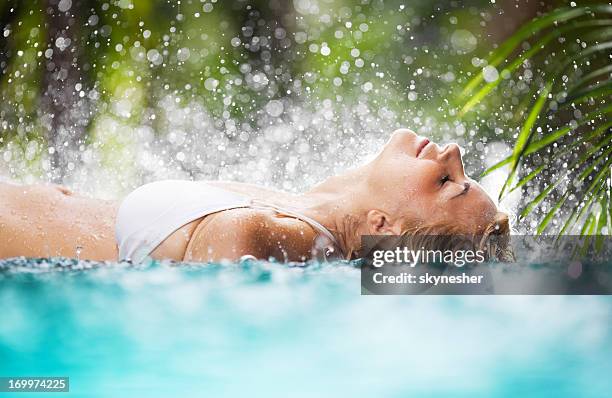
x: 493, y: 241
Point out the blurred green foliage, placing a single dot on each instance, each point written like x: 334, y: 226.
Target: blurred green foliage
x: 141, y: 50
x: 69, y: 66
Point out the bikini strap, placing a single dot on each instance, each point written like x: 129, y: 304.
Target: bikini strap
x: 315, y: 224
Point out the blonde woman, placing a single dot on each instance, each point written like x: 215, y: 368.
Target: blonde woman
x: 412, y: 185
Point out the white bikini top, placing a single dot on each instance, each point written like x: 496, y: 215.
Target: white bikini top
x: 152, y: 212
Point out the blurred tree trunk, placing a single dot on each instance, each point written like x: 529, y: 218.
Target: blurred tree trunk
x: 513, y: 15
x: 8, y: 13
x: 64, y: 110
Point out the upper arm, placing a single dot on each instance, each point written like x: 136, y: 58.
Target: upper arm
x: 232, y: 234
x: 228, y: 235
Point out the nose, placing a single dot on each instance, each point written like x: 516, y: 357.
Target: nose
x: 451, y: 151
x: 451, y: 155
x: 403, y: 134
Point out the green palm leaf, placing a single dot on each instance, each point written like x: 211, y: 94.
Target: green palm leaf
x: 530, y: 29
x: 587, y: 93
x: 534, y: 50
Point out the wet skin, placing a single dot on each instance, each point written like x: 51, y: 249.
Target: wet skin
x: 50, y: 220
x: 424, y: 183
x: 47, y: 221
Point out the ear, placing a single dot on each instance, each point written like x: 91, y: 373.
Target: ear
x: 379, y: 223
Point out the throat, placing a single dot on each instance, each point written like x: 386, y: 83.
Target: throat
x: 339, y: 213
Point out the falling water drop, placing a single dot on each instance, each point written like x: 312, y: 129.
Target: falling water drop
x: 490, y: 73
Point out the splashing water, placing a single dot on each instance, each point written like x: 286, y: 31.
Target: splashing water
x: 278, y: 95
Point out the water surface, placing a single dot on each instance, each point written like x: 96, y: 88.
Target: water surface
x: 265, y: 329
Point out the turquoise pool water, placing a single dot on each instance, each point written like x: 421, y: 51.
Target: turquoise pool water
x: 260, y: 329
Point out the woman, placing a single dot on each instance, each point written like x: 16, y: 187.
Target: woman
x: 413, y: 186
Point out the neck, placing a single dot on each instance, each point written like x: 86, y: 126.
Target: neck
x: 335, y: 204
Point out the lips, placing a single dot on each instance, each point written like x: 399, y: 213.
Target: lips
x: 421, y: 146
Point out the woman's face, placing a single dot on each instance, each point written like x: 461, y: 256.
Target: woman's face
x: 418, y: 182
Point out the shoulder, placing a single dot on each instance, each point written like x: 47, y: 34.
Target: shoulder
x: 247, y: 221
x: 233, y: 233
x: 245, y: 226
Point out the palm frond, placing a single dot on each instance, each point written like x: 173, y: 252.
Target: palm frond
x: 565, y: 131
x: 531, y: 29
